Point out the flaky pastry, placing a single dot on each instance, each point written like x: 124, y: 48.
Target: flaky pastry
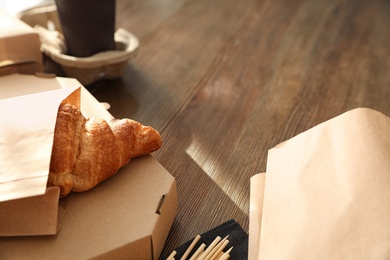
x: 87, y: 151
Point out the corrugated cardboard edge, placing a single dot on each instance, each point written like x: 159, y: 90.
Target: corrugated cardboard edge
x: 257, y: 184
x: 36, y: 215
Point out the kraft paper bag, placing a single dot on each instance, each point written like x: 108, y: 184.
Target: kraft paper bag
x: 257, y: 183
x: 26, y: 137
x: 327, y: 192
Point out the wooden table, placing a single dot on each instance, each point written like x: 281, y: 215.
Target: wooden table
x: 226, y: 80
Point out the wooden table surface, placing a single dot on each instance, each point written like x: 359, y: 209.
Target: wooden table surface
x: 224, y: 81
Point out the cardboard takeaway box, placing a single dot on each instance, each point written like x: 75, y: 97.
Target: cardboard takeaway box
x: 128, y: 216
x: 15, y: 54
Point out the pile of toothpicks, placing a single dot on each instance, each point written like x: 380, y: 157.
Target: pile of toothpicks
x: 212, y: 252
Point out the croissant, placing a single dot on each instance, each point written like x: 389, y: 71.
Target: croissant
x: 87, y: 151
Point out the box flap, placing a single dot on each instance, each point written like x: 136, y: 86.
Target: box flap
x: 17, y: 85
x: 166, y: 208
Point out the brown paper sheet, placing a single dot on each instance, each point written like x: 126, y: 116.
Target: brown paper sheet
x: 327, y: 192
x: 26, y: 138
x: 257, y: 184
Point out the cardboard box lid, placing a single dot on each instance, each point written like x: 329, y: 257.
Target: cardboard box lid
x: 128, y: 216
x: 116, y: 218
x: 15, y: 84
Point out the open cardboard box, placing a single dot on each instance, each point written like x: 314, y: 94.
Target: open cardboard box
x: 128, y: 216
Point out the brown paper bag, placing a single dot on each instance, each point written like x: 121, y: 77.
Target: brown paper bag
x: 327, y: 192
x: 26, y: 139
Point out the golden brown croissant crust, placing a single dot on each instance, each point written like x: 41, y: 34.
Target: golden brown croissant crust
x: 88, y: 151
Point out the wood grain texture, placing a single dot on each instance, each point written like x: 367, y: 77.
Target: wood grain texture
x: 225, y: 80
